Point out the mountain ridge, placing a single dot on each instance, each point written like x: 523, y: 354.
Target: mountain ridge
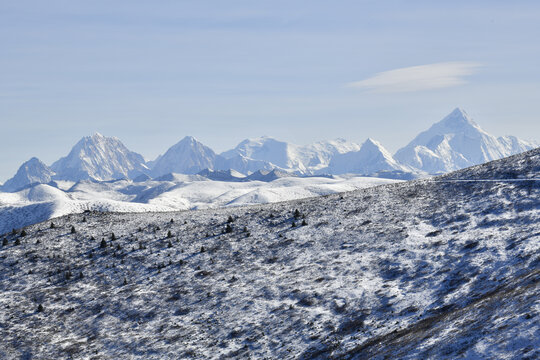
x: 453, y: 143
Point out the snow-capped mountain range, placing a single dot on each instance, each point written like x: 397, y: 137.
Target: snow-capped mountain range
x: 451, y: 144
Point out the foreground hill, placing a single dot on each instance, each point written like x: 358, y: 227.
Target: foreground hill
x: 438, y: 268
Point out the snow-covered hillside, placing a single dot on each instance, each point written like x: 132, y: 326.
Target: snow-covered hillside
x: 457, y: 142
x: 439, y: 268
x: 167, y: 193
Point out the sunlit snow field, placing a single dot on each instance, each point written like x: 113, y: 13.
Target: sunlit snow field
x: 183, y: 192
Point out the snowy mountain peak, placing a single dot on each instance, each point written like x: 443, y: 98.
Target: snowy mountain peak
x: 454, y: 143
x: 31, y: 172
x: 97, y: 135
x: 189, y: 140
x: 457, y: 121
x: 372, y: 157
x: 100, y: 158
x: 264, y: 148
x: 372, y: 143
x: 188, y: 156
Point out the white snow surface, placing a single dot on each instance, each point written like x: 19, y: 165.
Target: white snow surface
x: 369, y: 159
x: 440, y: 268
x: 169, y: 193
x: 291, y: 157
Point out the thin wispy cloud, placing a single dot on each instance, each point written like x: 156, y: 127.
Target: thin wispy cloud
x: 418, y: 78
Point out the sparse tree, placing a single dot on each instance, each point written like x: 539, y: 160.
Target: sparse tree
x: 304, y: 223
x: 73, y: 231
x: 169, y: 234
x: 203, y: 249
x: 40, y: 308
x: 230, y: 219
x: 296, y: 214
x: 293, y: 224
x: 4, y: 242
x: 13, y: 232
x: 113, y: 237
x: 172, y: 221
x: 52, y: 225
x: 84, y: 219
x: 228, y: 229
x: 170, y: 245
x: 103, y: 244
x: 17, y: 241
x: 23, y: 233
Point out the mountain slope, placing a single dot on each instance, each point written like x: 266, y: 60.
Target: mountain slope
x: 370, y: 158
x: 188, y: 156
x: 436, y: 268
x: 294, y: 158
x: 457, y: 142
x: 278, y: 153
x: 31, y: 172
x: 99, y: 158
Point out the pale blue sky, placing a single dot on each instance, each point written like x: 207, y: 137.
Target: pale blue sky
x: 151, y: 72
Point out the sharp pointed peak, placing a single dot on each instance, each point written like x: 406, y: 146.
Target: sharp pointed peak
x: 188, y: 140
x: 372, y: 142
x: 456, y: 117
x: 33, y: 159
x: 94, y: 137
x: 459, y: 111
